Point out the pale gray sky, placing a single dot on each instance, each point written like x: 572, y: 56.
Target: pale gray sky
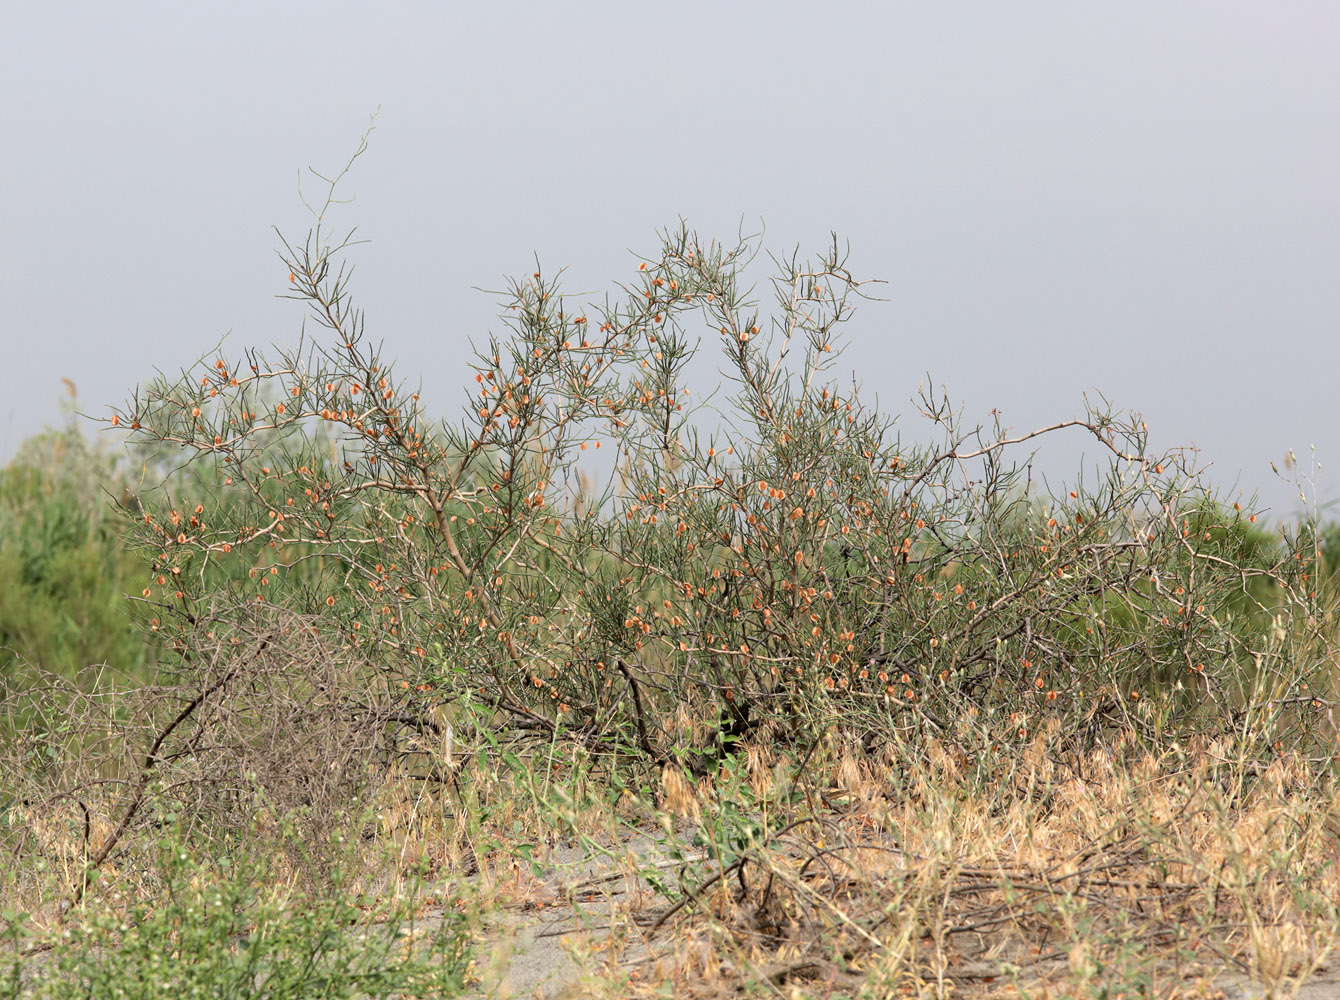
x: 1139, y: 197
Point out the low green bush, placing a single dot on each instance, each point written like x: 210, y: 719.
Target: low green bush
x: 222, y: 928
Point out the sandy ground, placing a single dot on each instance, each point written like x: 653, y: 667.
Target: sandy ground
x: 572, y: 903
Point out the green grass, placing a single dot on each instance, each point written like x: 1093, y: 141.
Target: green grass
x: 65, y: 565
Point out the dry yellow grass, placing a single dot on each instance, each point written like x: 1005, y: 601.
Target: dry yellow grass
x: 1115, y: 871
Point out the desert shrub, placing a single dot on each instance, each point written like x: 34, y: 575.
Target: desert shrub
x: 786, y: 565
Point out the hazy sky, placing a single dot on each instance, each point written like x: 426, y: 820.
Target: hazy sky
x: 1138, y: 198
